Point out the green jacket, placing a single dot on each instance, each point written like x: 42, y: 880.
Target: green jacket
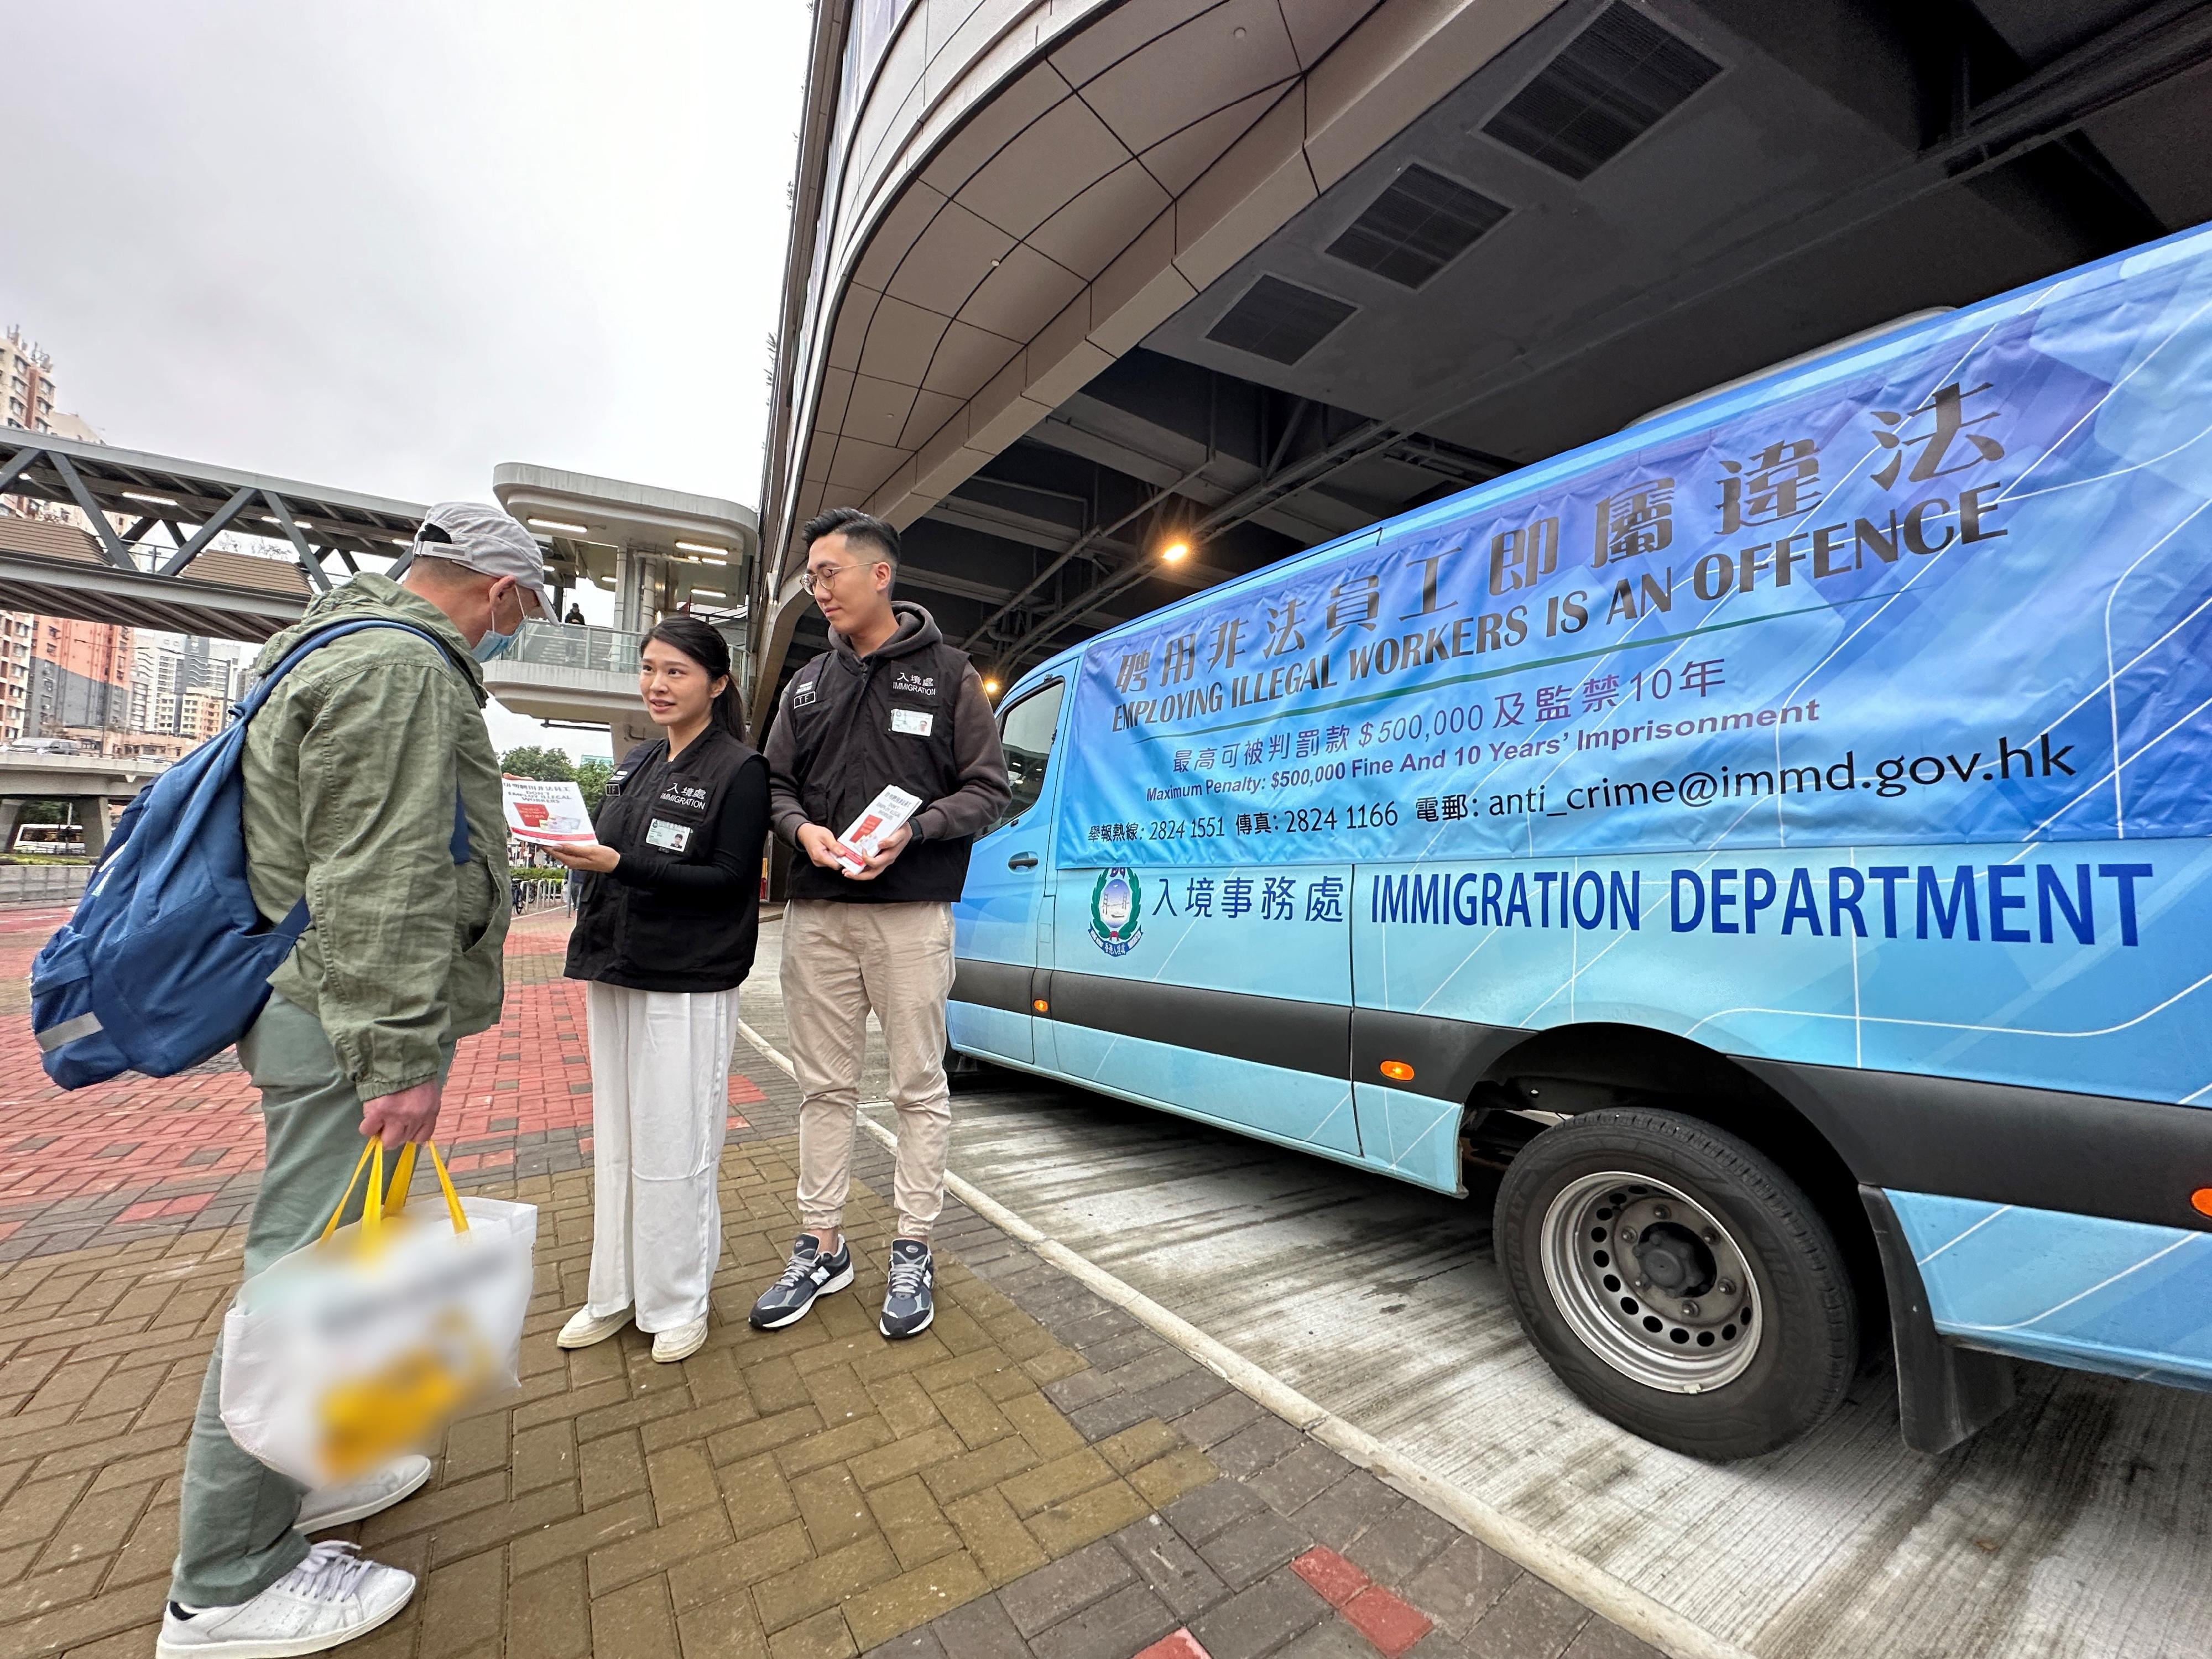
x: 351, y: 769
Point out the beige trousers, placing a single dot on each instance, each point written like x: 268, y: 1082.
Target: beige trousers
x: 839, y: 960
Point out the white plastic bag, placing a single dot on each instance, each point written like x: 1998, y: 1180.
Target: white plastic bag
x: 364, y: 1344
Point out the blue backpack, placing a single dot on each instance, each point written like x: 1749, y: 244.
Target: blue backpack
x: 167, y: 961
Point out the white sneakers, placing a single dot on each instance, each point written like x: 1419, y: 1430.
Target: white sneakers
x: 669, y: 1347
x: 582, y: 1330
x: 329, y: 1598
x: 334, y: 1506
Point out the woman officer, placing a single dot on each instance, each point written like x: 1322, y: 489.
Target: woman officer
x: 666, y: 927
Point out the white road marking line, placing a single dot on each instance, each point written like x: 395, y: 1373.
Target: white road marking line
x: 1643, y: 1617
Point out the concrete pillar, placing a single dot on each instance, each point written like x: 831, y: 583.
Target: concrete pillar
x: 11, y: 814
x: 96, y: 819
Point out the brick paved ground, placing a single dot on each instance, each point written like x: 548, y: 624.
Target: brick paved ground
x: 1038, y: 1477
x: 133, y: 1158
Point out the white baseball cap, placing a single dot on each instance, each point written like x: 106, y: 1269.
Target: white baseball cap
x: 488, y: 541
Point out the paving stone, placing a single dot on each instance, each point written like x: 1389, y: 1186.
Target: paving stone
x: 1212, y: 1510
x: 1076, y: 1521
x: 1110, y: 1416
x: 1530, y: 1620
x: 994, y: 1535
x: 1601, y: 1639
x: 719, y: 1630
x: 823, y: 1582
x: 1130, y: 1618
x: 981, y: 1630
x: 549, y: 1612
x: 1333, y: 1638
x: 914, y: 1597
x: 915, y: 1644
x: 1218, y: 1419
x: 1299, y: 1477
x: 1348, y: 1509
x: 1256, y: 1448
x: 1259, y: 1619
x: 1401, y: 1543
x: 1176, y: 1573
x: 1253, y: 1548
x: 1462, y: 1584
x: 462, y: 1604
x: 1052, y: 1593
x: 634, y: 1623
x: 825, y: 1636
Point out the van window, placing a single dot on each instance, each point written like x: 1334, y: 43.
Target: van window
x: 1025, y: 730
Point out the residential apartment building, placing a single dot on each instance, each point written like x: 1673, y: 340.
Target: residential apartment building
x: 27, y: 382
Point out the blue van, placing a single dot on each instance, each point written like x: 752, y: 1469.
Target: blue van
x: 1775, y: 837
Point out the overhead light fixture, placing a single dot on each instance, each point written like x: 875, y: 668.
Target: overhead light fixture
x: 711, y: 593
x: 150, y: 500
x: 401, y: 541
x: 990, y: 688
x: 1175, y: 552
x: 702, y: 547
x: 558, y: 528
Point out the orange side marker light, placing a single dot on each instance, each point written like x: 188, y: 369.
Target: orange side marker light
x: 1397, y: 1071
x: 2201, y: 1201
x: 1041, y: 1006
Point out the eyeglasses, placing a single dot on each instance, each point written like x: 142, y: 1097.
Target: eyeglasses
x: 819, y: 577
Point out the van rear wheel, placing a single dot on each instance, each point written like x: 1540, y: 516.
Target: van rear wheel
x: 1677, y: 1281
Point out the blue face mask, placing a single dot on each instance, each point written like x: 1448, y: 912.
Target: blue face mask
x: 492, y: 646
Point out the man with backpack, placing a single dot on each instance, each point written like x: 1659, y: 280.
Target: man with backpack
x: 371, y: 789
x: 889, y: 703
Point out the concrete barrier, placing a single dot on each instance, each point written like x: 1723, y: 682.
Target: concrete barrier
x: 24, y: 885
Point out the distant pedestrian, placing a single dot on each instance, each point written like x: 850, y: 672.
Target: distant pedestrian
x: 889, y: 703
x: 575, y: 616
x: 667, y: 916
x: 371, y: 787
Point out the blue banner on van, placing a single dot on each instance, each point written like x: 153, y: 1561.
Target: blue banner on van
x: 1952, y: 587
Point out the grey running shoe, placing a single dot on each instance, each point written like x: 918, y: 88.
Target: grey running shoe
x: 809, y: 1274
x: 909, y: 1304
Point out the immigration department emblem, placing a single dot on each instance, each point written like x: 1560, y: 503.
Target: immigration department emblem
x: 1116, y: 911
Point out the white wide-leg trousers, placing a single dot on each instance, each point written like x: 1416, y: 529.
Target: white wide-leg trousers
x: 660, y: 1090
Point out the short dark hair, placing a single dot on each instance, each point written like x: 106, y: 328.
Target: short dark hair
x: 854, y: 525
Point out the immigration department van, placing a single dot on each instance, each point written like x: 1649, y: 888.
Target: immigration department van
x: 1775, y: 836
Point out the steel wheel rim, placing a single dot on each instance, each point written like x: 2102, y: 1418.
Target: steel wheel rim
x: 1619, y: 1271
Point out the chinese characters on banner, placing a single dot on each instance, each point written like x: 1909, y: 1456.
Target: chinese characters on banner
x: 1834, y: 616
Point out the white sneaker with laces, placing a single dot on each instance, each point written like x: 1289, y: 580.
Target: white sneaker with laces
x: 334, y: 1506
x: 669, y: 1347
x: 329, y: 1598
x: 582, y: 1329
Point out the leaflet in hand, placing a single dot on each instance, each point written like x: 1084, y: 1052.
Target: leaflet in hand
x: 891, y: 807
x: 549, y: 813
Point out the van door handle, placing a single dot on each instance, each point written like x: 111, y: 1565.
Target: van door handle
x: 1022, y: 861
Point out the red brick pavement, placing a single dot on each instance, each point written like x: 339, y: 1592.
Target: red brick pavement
x: 150, y: 1156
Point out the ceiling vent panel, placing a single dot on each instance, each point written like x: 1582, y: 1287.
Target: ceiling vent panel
x: 1612, y: 83
x: 1279, y: 321
x: 1417, y: 226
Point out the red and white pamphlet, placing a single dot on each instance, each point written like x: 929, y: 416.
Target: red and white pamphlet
x: 549, y: 813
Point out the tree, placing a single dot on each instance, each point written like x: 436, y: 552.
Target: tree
x: 532, y: 761
x: 591, y: 776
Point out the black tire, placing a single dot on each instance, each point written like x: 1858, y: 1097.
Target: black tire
x: 1808, y: 1344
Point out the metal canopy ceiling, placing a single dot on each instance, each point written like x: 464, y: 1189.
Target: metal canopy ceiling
x: 1847, y: 162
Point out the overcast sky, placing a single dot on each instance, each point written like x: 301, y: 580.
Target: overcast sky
x: 388, y: 244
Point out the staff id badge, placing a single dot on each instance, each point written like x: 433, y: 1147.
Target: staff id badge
x: 669, y: 837
x: 912, y: 721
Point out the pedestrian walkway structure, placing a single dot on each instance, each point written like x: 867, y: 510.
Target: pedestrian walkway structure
x: 1072, y: 284
x: 215, y: 552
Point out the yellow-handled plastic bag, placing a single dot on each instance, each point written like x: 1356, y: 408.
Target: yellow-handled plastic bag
x: 365, y: 1344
